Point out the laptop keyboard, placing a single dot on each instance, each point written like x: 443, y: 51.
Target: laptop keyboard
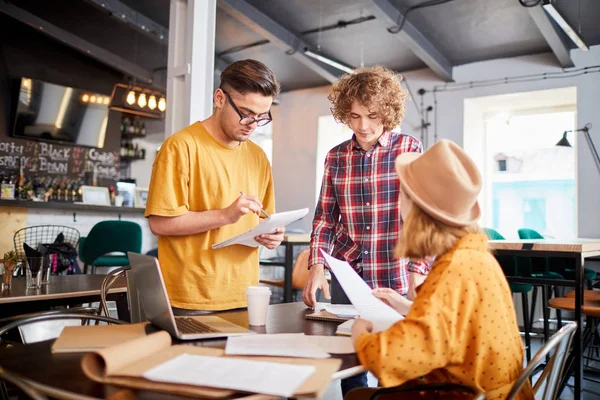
x: 190, y: 326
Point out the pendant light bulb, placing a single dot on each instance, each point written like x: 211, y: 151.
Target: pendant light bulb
x: 162, y: 104
x: 152, y: 102
x: 142, y: 100
x: 130, y: 98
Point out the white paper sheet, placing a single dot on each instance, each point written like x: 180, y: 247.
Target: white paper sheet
x: 360, y: 294
x: 268, y: 226
x: 341, y: 310
x: 282, y: 345
x: 333, y: 344
x: 289, y: 345
x: 345, y: 328
x: 229, y: 373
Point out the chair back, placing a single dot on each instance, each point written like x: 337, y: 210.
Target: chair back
x: 43, y: 234
x: 550, y: 378
x: 493, y: 234
x: 111, y: 236
x: 525, y: 233
x: 300, y: 272
x: 21, y: 384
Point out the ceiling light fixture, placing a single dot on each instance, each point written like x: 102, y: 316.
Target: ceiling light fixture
x: 130, y: 98
x: 152, y: 102
x: 553, y: 12
x: 138, y: 100
x: 328, y: 61
x: 142, y: 100
x: 162, y: 104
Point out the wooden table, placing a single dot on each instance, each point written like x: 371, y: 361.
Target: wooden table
x: 289, y: 242
x: 62, y: 290
x: 60, y: 375
x: 578, y: 250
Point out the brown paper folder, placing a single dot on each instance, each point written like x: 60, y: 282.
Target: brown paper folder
x: 75, y: 339
x: 125, y: 363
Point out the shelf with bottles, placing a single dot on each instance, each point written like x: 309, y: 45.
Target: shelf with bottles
x: 132, y: 126
x: 40, y: 188
x: 131, y: 152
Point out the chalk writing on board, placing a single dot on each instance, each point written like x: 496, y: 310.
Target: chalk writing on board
x: 54, y: 159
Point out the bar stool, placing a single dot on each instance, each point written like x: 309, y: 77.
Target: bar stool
x: 509, y: 267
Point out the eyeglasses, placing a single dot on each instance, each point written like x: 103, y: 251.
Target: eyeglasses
x: 246, y: 119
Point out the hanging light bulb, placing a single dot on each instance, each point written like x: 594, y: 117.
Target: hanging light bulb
x: 130, y: 99
x: 85, y: 98
x: 162, y: 104
x: 93, y: 99
x: 142, y: 100
x: 152, y: 102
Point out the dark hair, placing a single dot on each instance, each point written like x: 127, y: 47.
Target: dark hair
x: 250, y: 76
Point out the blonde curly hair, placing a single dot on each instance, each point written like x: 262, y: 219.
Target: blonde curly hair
x: 376, y: 87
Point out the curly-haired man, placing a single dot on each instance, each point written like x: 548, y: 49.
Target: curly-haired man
x: 356, y: 218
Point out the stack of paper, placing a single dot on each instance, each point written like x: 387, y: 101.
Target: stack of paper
x: 231, y: 373
x: 268, y: 226
x: 289, y: 345
x: 152, y: 363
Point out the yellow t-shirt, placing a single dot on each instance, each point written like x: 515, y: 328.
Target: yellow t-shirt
x: 462, y: 328
x: 195, y: 172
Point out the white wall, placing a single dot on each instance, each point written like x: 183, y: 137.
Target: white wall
x: 295, y: 125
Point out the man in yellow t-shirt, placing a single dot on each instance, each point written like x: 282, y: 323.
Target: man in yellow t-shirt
x: 209, y: 183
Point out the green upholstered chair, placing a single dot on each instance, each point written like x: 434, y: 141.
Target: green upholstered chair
x: 560, y: 266
x: 509, y: 266
x: 110, y: 237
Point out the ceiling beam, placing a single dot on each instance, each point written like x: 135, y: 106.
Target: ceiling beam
x: 122, y: 12
x: 279, y: 35
x: 77, y: 43
x: 553, y: 34
x: 415, y: 40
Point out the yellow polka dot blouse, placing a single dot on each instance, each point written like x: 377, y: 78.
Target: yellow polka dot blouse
x: 461, y: 328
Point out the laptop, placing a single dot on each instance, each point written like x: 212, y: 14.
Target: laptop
x: 154, y: 301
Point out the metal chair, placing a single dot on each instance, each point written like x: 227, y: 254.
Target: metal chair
x: 20, y: 384
x: 26, y: 332
x: 41, y: 317
x: 550, y: 379
x: 44, y: 234
x: 467, y: 392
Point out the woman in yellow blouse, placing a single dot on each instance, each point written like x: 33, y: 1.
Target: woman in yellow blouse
x: 462, y: 325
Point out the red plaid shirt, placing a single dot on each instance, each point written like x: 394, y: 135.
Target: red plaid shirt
x: 357, y: 217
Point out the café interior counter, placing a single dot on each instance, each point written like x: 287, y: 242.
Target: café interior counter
x: 64, y: 205
x: 17, y: 214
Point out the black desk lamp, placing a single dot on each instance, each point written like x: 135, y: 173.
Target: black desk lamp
x: 586, y: 131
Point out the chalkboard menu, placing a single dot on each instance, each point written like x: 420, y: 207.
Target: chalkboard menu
x: 41, y: 158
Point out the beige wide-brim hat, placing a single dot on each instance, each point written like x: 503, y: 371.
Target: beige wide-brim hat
x: 443, y: 181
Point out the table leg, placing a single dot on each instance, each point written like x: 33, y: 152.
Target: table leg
x: 578, y: 343
x: 287, y: 280
x: 123, y: 307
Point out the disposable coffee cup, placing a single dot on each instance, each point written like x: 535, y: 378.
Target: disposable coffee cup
x: 258, y: 298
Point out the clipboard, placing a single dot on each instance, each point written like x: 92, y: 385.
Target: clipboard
x: 268, y: 226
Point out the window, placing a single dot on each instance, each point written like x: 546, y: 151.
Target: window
x: 529, y: 182
x: 263, y: 136
x: 330, y: 134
